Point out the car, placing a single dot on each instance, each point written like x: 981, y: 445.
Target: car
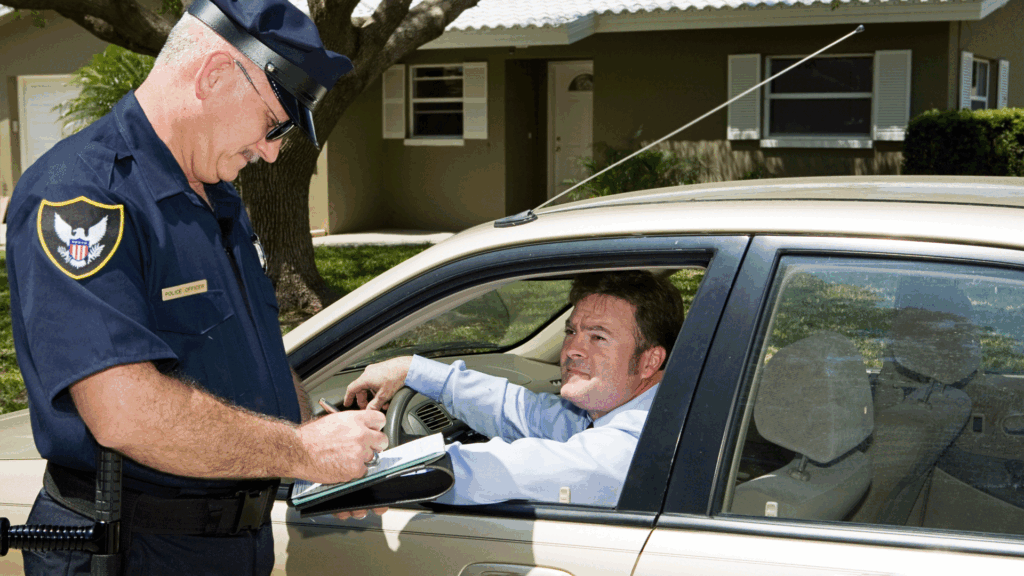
x: 846, y: 395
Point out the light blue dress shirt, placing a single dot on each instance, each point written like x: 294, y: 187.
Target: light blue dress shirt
x: 539, y: 443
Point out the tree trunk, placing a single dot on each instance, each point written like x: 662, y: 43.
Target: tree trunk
x: 278, y: 202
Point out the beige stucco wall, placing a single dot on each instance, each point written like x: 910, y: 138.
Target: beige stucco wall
x: 660, y: 81
x: 355, y: 163
x: 60, y: 47
x: 450, y: 187
x: 1001, y: 35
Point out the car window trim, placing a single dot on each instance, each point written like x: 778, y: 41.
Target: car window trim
x: 481, y: 268
x: 845, y: 533
x: 653, y: 461
x: 552, y: 512
x: 722, y: 255
x: 702, y: 458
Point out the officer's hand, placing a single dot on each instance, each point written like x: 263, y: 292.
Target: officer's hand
x: 382, y: 379
x: 338, y: 446
x: 358, y: 514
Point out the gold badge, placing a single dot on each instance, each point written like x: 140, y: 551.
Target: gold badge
x: 174, y: 292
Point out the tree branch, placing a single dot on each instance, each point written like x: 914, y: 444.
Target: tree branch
x: 390, y: 41
x: 333, y: 19
x: 389, y: 15
x: 126, y: 23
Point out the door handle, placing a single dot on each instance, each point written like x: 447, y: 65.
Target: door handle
x: 493, y: 569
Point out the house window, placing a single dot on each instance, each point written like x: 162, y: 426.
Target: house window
x: 828, y: 96
x: 979, y: 84
x: 436, y: 101
x: 445, y: 103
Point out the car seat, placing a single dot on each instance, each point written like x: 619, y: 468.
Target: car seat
x: 814, y: 398
x: 934, y: 351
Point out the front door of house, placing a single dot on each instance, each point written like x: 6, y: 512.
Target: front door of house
x: 570, y: 122
x: 41, y: 126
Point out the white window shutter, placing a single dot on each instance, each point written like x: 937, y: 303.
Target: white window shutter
x: 966, y: 74
x: 891, y: 98
x: 394, y: 101
x: 1004, y: 83
x: 744, y: 117
x: 474, y: 100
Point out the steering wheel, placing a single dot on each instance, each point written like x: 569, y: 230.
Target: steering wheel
x: 393, y: 417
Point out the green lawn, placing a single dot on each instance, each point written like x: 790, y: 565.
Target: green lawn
x: 344, y: 269
x: 12, y: 388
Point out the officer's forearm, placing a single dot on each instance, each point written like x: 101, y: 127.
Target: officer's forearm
x: 176, y: 428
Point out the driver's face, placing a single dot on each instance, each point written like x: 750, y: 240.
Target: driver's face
x: 599, y: 344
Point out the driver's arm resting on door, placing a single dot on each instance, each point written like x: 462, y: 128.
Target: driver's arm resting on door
x: 542, y: 447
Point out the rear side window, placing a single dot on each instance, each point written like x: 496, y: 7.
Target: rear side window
x: 886, y: 393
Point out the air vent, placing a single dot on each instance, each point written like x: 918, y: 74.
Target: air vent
x: 433, y: 417
x: 557, y: 382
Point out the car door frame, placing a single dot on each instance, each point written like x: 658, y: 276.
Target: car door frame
x: 700, y: 466
x: 651, y: 464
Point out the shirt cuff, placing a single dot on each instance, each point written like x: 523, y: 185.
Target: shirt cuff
x: 427, y: 377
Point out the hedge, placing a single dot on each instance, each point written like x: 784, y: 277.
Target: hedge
x: 964, y: 142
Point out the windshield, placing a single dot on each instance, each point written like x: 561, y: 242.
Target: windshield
x: 494, y: 321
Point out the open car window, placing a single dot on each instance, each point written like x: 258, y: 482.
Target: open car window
x: 499, y: 319
x: 886, y: 393
x: 494, y: 321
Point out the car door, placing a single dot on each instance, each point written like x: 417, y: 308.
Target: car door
x: 861, y: 413
x: 519, y: 537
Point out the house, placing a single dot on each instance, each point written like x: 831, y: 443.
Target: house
x: 492, y: 117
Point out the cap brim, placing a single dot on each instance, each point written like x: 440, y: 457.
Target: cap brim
x: 299, y: 114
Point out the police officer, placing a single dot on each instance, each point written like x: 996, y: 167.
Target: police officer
x: 142, y: 318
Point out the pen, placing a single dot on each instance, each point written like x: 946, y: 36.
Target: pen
x: 327, y: 406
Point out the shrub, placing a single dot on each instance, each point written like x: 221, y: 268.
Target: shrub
x: 654, y: 168
x: 962, y: 142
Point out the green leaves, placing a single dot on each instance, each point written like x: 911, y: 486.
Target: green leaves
x: 978, y: 143
x: 654, y: 168
x: 105, y: 80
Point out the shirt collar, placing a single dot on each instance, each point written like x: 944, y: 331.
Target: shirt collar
x: 641, y: 402
x: 160, y: 173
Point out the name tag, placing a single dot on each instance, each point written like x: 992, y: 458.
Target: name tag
x: 189, y: 289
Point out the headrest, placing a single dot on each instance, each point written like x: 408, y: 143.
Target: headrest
x: 933, y: 335
x: 815, y: 398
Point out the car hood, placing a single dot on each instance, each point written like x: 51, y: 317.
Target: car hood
x: 16, y: 437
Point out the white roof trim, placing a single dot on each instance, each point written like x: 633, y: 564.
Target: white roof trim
x: 745, y: 16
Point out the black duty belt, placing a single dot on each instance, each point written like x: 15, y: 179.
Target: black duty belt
x: 247, y: 509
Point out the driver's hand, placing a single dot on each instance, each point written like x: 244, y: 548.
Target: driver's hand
x: 358, y: 514
x: 383, y: 380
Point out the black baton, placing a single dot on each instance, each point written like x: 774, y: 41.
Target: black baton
x: 102, y: 538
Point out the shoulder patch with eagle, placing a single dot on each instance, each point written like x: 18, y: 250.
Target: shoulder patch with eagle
x: 80, y: 236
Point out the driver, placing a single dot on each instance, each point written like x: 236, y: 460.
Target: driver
x: 575, y: 447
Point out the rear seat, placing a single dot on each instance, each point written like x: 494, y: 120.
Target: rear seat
x: 979, y: 480
x: 934, y: 350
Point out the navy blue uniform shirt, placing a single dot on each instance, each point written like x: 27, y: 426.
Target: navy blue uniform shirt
x: 113, y: 259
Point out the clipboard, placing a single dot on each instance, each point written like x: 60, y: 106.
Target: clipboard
x: 417, y: 471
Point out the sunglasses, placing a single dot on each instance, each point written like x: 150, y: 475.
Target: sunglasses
x: 281, y: 129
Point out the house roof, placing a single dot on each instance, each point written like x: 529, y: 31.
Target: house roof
x: 524, y: 23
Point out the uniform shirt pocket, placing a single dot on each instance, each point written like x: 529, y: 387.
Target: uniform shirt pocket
x: 195, y: 315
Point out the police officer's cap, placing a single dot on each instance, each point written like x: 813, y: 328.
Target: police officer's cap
x: 285, y: 43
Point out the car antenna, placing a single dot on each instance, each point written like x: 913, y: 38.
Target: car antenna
x: 530, y: 216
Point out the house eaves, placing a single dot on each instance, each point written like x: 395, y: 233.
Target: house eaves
x: 524, y: 23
